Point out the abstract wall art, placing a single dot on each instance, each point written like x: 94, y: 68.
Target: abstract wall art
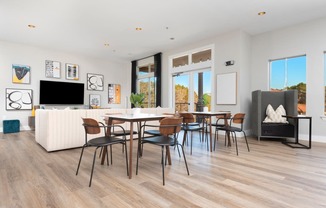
x: 19, y: 99
x: 21, y: 74
x: 95, y: 82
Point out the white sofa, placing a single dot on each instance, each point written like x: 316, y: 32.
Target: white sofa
x: 62, y: 129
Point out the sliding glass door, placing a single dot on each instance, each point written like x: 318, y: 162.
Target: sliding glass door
x: 192, y: 90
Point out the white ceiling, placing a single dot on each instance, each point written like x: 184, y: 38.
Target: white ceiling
x: 83, y: 26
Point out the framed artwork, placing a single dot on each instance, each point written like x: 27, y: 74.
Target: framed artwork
x: 226, y: 89
x: 95, y: 82
x: 72, y: 71
x: 21, y: 74
x: 19, y: 99
x: 95, y: 101
x: 114, y: 91
x: 52, y: 69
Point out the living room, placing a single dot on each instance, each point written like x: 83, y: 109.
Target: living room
x: 251, y: 54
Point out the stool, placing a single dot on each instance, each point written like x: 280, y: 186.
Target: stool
x: 11, y: 126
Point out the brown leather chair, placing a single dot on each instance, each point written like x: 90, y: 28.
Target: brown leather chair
x: 236, y: 125
x: 93, y: 127
x: 221, y: 122
x: 169, y: 128
x: 190, y: 126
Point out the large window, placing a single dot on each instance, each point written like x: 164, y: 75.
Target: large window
x: 146, y: 83
x: 191, y: 73
x: 290, y: 73
x: 146, y: 78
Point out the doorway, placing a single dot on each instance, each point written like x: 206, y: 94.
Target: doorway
x: 192, y: 90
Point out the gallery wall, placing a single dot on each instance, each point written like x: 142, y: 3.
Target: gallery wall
x: 13, y: 53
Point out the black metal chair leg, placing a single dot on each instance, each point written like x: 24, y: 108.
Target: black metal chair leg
x: 236, y: 143
x: 90, y: 180
x: 191, y: 144
x: 246, y: 141
x: 80, y: 158
x: 184, y: 157
x: 111, y: 154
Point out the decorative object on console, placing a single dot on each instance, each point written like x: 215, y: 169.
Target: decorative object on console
x: 94, y: 101
x: 21, y: 74
x: 114, y: 91
x: 52, y: 69
x: 72, y: 71
x: 95, y: 82
x: 19, y: 99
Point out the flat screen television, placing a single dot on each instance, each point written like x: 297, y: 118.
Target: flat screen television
x: 61, y: 93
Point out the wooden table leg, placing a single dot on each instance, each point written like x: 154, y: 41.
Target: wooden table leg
x: 130, y: 148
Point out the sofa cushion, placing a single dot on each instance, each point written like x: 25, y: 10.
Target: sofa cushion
x: 275, y: 116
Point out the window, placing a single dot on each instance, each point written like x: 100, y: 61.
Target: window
x: 290, y: 73
x: 191, y: 77
x: 146, y: 83
x: 146, y: 78
x: 201, y: 56
x: 180, y: 61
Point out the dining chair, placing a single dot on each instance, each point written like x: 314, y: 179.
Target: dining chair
x: 221, y: 122
x: 112, y: 131
x: 236, y: 125
x: 169, y: 127
x: 92, y: 127
x: 190, y: 126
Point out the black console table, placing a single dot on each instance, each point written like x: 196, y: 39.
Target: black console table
x: 296, y: 143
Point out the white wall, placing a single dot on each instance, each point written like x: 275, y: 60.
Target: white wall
x: 309, y: 39
x: 12, y: 53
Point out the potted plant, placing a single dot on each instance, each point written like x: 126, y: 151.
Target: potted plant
x: 206, y: 101
x: 137, y: 100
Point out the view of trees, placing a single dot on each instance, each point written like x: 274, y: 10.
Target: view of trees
x: 301, y: 87
x: 181, y: 98
x: 144, y: 86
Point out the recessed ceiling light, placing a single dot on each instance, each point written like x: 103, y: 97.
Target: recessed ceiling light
x: 31, y: 26
x: 171, y: 38
x: 261, y: 13
x: 106, y: 44
x: 139, y: 28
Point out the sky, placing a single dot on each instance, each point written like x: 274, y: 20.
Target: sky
x: 295, y: 73
x: 183, y: 79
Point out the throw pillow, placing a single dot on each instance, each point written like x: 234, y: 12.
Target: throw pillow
x: 275, y: 116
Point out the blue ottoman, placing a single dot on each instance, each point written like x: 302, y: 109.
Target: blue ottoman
x: 11, y: 126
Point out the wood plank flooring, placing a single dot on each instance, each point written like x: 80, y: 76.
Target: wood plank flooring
x: 270, y: 175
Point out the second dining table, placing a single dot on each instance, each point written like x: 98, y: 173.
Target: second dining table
x: 209, y: 115
x: 134, y: 118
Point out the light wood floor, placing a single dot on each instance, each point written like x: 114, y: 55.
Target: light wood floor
x: 271, y: 175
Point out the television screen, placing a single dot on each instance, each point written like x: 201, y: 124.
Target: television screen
x: 61, y: 93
